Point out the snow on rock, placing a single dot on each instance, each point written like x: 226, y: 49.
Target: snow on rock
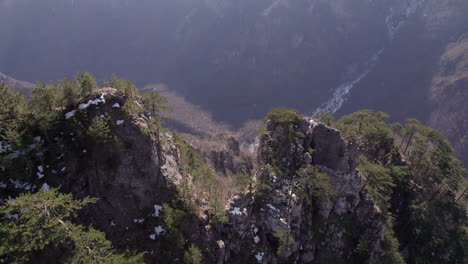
x: 22, y: 185
x: 282, y: 220
x: 93, y: 102
x: 259, y: 256
x: 159, y: 230
x: 15, y: 154
x: 119, y: 122
x: 45, y: 187
x: 38, y: 139
x: 70, y: 114
x: 236, y: 211
x: 138, y: 220
x: 102, y: 116
x: 312, y: 123
x: 256, y: 239
x: 272, y: 207
x: 254, y: 229
x: 10, y: 216
x: 40, y: 175
x: 4, y: 147
x: 116, y: 105
x: 40, y: 168
x: 2, y: 185
x: 220, y: 244
x: 83, y: 106
x: 84, y: 150
x: 157, y: 208
x: 112, y: 223
x: 63, y: 169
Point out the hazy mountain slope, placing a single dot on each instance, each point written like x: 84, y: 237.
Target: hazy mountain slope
x: 25, y: 87
x: 449, y: 96
x: 238, y: 59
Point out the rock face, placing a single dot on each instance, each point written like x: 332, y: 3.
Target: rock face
x: 319, y: 232
x: 129, y: 177
x: 330, y: 149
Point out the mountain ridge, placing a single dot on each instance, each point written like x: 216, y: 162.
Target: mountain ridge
x: 357, y: 189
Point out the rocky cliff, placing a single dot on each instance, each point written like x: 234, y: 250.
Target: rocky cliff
x: 317, y: 229
x: 301, y: 195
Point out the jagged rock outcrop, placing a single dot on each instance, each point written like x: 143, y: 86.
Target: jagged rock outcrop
x: 320, y: 232
x: 132, y: 174
x: 278, y: 220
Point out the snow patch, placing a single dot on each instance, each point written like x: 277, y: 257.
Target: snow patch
x: 40, y: 175
x: 45, y: 187
x: 256, y: 239
x: 272, y: 207
x: 70, y: 114
x: 10, y: 216
x: 119, y: 122
x: 22, y: 185
x: 157, y: 208
x: 159, y: 230
x: 254, y: 228
x: 138, y: 220
x: 93, y: 102
x: 236, y: 211
x: 116, y: 105
x: 312, y: 123
x: 4, y: 147
x: 259, y: 256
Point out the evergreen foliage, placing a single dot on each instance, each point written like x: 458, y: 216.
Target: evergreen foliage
x: 316, y: 186
x: 99, y: 130
x: 43, y: 219
x: 193, y: 255
x: 286, y: 241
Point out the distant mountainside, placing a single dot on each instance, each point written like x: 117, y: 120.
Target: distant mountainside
x: 238, y: 59
x: 25, y: 87
x: 449, y: 97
